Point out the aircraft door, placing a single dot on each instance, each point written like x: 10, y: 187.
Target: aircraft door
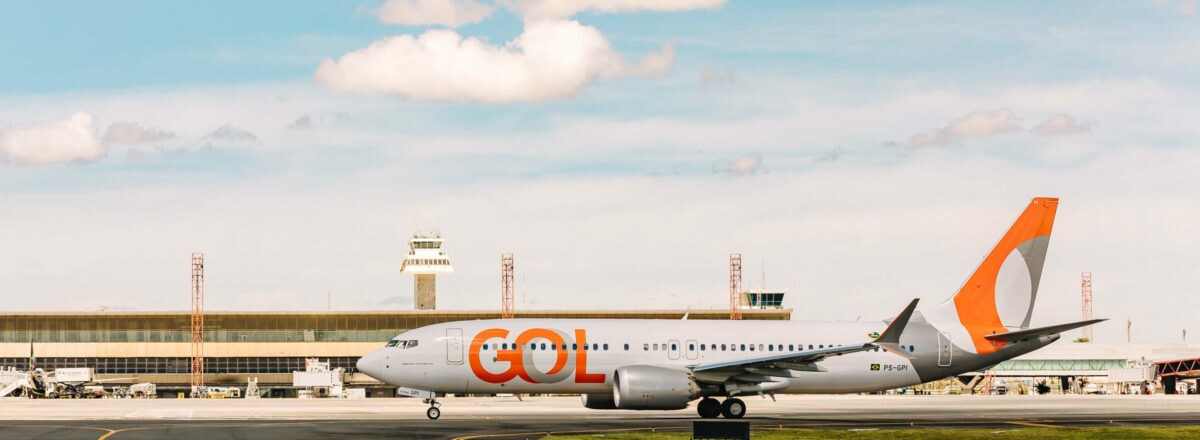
x: 690, y: 346
x: 673, y: 349
x: 454, y: 346
x: 945, y: 349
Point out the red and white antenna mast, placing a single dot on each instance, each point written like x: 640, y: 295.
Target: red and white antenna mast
x: 506, y: 286
x: 735, y: 286
x: 1086, y: 293
x: 197, y: 321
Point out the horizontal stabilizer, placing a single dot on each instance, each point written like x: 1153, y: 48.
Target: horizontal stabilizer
x: 1021, y: 335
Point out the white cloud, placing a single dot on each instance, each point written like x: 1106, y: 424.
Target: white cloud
x: 709, y: 77
x: 565, y: 8
x: 304, y: 122
x: 130, y: 133
x: 829, y: 156
x: 230, y: 133
x: 977, y: 124
x: 449, y: 13
x: 746, y: 165
x: 1061, y: 124
x: 72, y: 139
x: 1186, y: 7
x: 551, y: 59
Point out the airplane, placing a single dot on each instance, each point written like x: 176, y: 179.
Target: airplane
x: 668, y: 364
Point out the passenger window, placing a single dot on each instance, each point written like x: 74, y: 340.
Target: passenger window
x: 626, y: 347
x: 743, y: 347
x: 810, y: 346
x: 645, y: 347
x: 911, y: 349
x: 674, y: 347
x: 543, y: 346
x: 791, y: 347
x: 605, y: 347
x: 722, y: 347
x: 595, y: 347
x: 701, y: 347
x: 821, y: 346
x: 485, y: 346
x: 760, y: 347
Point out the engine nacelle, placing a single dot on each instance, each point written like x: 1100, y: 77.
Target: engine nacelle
x: 650, y: 387
x: 598, y: 401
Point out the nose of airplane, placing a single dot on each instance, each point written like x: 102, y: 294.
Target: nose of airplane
x: 371, y: 364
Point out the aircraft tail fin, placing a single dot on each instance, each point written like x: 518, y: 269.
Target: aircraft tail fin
x: 1000, y: 293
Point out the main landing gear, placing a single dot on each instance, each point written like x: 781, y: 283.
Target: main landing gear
x: 433, y: 412
x: 731, y: 408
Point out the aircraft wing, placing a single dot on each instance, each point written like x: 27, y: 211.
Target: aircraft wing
x: 783, y: 364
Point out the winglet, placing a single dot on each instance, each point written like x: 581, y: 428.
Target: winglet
x: 891, y: 335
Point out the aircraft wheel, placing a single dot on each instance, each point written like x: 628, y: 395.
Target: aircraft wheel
x: 733, y: 408
x: 709, y: 408
x: 433, y: 413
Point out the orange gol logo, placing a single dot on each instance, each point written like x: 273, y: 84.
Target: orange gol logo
x: 520, y: 361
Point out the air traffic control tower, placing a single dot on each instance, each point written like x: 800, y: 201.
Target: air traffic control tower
x: 425, y: 260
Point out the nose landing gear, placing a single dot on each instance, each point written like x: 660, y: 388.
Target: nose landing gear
x: 433, y: 412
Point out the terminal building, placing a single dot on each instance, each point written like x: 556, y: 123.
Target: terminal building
x: 134, y: 347
x: 156, y: 346
x: 1109, y: 368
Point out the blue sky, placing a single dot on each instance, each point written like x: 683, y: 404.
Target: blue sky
x: 868, y: 152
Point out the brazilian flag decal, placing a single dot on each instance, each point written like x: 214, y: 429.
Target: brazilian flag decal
x: 874, y: 367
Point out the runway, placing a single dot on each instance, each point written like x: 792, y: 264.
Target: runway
x: 536, y: 417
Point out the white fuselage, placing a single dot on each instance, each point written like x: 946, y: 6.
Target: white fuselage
x: 545, y: 355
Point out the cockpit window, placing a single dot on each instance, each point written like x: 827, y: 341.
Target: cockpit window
x: 412, y: 343
x: 392, y: 343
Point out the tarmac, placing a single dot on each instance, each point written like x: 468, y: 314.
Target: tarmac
x: 507, y: 417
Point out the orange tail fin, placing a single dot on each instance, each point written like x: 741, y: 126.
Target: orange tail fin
x: 1001, y: 292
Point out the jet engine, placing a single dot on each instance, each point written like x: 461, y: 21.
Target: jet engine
x: 650, y: 387
x: 598, y: 401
